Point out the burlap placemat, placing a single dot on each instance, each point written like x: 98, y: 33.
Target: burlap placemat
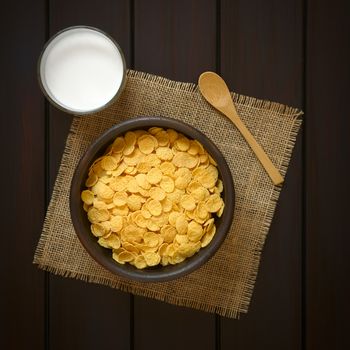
x: 223, y: 285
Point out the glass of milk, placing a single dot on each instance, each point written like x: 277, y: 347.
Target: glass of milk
x: 81, y: 70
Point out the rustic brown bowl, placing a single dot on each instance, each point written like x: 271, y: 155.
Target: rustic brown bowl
x: 103, y: 255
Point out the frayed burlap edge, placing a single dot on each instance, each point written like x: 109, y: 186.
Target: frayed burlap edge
x: 240, y: 99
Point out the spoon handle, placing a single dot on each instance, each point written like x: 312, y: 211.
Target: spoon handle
x: 271, y: 170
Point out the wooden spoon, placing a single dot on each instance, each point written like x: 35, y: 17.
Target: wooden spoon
x: 216, y: 92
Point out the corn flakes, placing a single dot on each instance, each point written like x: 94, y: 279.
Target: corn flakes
x: 151, y: 197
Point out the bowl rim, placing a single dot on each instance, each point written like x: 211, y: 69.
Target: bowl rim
x: 171, y: 271
x: 56, y: 103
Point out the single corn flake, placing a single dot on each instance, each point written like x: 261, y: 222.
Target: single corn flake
x: 154, y: 176
x: 98, y: 230
x: 157, y: 193
x: 167, y: 184
x: 87, y: 197
x: 112, y: 241
x: 152, y: 259
x: 116, y: 223
x: 154, y: 207
x: 182, y: 143
x: 142, y: 181
x: 214, y: 203
x: 146, y: 144
x: 118, y: 145
x: 102, y: 190
x: 91, y: 180
x: 120, y: 198
x: 167, y: 168
x: 130, y: 138
x: 181, y: 224
x: 173, y: 135
x: 164, y: 153
x: 98, y: 215
x: 140, y: 262
x: 195, y: 231
x: 188, y: 202
x: 208, y: 237
x: 109, y: 163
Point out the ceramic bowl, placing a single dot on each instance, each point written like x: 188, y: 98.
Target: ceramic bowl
x: 104, y: 256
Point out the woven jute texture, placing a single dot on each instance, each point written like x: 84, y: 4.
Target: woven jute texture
x: 224, y: 285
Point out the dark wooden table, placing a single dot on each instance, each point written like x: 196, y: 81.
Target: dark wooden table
x: 295, y: 52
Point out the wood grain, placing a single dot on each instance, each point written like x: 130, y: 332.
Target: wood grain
x: 22, y: 208
x: 261, y: 56
x: 85, y: 316
x: 176, y: 39
x: 327, y: 189
x: 257, y: 46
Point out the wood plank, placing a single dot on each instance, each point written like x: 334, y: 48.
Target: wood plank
x: 22, y: 126
x: 261, y: 56
x: 176, y: 39
x: 327, y: 156
x: 85, y: 316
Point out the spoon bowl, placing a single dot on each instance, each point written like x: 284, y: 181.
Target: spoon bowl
x: 215, y: 90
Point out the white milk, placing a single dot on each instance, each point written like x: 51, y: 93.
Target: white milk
x: 81, y: 69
